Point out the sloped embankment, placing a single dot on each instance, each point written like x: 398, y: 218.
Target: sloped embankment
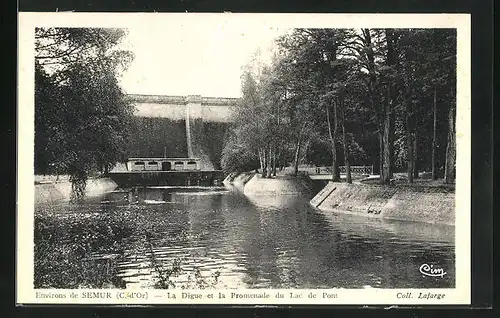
x: 282, y: 185
x: 238, y: 180
x: 61, y: 191
x: 420, y: 204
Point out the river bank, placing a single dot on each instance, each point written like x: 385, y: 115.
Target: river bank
x: 416, y: 203
x: 253, y: 184
x: 238, y: 180
x: 404, y: 203
x: 51, y: 189
x: 195, y: 239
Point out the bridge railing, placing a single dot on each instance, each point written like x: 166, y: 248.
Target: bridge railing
x: 328, y: 170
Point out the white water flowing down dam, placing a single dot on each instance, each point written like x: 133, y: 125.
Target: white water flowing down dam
x: 205, y: 119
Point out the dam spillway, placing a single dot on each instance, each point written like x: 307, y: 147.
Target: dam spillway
x: 177, y: 127
x: 180, y: 126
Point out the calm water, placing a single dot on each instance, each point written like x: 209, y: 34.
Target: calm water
x: 270, y: 242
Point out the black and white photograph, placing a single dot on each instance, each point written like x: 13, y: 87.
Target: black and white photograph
x: 253, y: 158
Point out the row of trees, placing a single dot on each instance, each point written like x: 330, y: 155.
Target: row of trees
x: 81, y: 114
x: 362, y: 96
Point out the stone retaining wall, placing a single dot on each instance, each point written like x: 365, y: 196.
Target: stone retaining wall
x: 300, y: 185
x: 422, y: 204
x: 61, y: 191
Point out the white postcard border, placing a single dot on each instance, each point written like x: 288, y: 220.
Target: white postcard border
x: 25, y: 292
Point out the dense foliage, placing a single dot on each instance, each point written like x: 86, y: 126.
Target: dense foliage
x: 353, y: 96
x: 81, y: 114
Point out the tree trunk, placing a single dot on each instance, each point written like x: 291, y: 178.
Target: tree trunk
x: 392, y: 121
x: 335, y: 176
x: 307, y: 143
x: 336, y: 170
x: 381, y: 153
x: 297, y: 150
x: 277, y: 159
x: 276, y: 144
x: 280, y: 162
x: 386, y: 165
x: 409, y: 142
x: 297, y: 156
x: 274, y: 162
x: 269, y: 162
x: 409, y: 156
x: 380, y: 134
x: 415, y: 155
x: 344, y: 141
x: 389, y: 117
x: 374, y: 100
x: 434, y: 125
x: 264, y: 164
x: 449, y: 173
x: 264, y: 155
x: 260, y: 159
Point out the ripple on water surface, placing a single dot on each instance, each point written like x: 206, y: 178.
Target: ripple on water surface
x: 268, y: 242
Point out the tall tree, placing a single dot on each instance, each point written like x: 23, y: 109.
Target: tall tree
x: 82, y: 115
x: 434, y: 126
x: 376, y: 93
x: 449, y: 174
x: 344, y: 138
x: 367, y: 47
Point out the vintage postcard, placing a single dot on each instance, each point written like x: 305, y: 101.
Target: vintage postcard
x: 189, y: 158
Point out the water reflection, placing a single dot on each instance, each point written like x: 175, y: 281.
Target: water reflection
x: 272, y: 242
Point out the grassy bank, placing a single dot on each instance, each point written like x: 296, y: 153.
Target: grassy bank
x: 81, y: 246
x: 75, y: 251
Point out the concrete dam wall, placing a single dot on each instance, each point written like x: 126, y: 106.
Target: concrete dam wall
x: 180, y: 126
x: 156, y: 137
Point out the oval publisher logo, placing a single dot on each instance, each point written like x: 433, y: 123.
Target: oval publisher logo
x: 432, y: 270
